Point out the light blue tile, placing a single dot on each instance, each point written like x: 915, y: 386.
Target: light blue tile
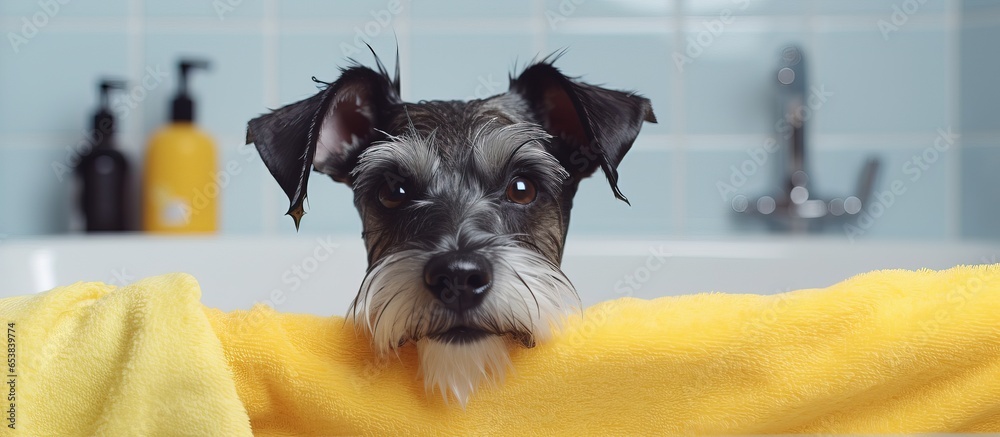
x: 461, y: 9
x: 56, y: 9
x: 716, y: 8
x: 303, y: 55
x: 979, y: 6
x: 359, y: 11
x: 981, y: 190
x: 880, y: 7
x: 226, y: 96
x: 51, y: 85
x: 329, y: 208
x: 980, y: 91
x: 557, y: 11
x: 838, y: 173
x: 915, y: 214
x: 215, y: 9
x: 34, y: 201
x: 626, y: 62
x: 241, y: 179
x: 730, y: 84
x: 918, y: 213
x: 713, y: 177
x: 645, y: 178
x: 880, y: 86
x: 464, y: 66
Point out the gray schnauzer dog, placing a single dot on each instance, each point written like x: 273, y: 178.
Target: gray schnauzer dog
x: 465, y: 205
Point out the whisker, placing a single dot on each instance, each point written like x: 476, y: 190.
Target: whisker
x: 353, y: 309
x: 364, y: 302
x: 381, y: 312
x: 530, y: 291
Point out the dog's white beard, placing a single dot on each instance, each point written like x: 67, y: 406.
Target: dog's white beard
x: 459, y: 369
x: 530, y: 295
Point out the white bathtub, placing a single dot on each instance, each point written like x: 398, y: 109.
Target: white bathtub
x: 320, y: 275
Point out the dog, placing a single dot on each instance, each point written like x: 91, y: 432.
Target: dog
x: 465, y: 205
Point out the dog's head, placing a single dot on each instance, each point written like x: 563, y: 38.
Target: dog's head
x: 465, y: 205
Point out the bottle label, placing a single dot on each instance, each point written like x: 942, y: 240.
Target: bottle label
x: 176, y: 212
x: 173, y: 210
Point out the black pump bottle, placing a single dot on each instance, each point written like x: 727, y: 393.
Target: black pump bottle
x: 103, y: 172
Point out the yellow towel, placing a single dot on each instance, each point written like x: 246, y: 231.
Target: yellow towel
x: 141, y: 360
x: 889, y: 351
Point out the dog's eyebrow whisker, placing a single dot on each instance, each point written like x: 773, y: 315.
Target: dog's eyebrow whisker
x: 513, y: 154
x: 476, y: 141
x: 476, y: 138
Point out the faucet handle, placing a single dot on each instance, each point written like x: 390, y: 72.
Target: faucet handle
x: 866, y: 183
x: 866, y: 187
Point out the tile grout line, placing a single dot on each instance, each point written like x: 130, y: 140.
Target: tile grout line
x: 270, y: 26
x: 403, y: 48
x: 677, y: 118
x: 135, y: 54
x: 811, y: 42
x: 953, y: 189
x: 539, y: 32
x: 134, y: 59
x: 981, y: 18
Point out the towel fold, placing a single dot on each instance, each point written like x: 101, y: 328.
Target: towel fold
x: 141, y: 360
x: 884, y: 352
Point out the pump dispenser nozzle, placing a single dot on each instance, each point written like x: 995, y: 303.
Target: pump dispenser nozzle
x: 183, y: 105
x: 104, y: 120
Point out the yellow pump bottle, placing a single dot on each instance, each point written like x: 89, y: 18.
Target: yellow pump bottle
x: 180, y: 193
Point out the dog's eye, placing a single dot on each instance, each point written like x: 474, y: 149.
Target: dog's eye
x: 521, y: 190
x: 392, y: 195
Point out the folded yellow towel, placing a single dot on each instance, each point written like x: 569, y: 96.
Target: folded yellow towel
x: 889, y: 351
x: 141, y: 360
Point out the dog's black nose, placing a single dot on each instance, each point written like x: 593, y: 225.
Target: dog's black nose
x: 459, y: 280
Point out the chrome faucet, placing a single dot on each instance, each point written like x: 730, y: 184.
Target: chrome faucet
x: 794, y: 208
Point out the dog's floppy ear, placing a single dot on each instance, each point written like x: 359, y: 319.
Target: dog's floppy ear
x: 325, y: 132
x: 595, y: 126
